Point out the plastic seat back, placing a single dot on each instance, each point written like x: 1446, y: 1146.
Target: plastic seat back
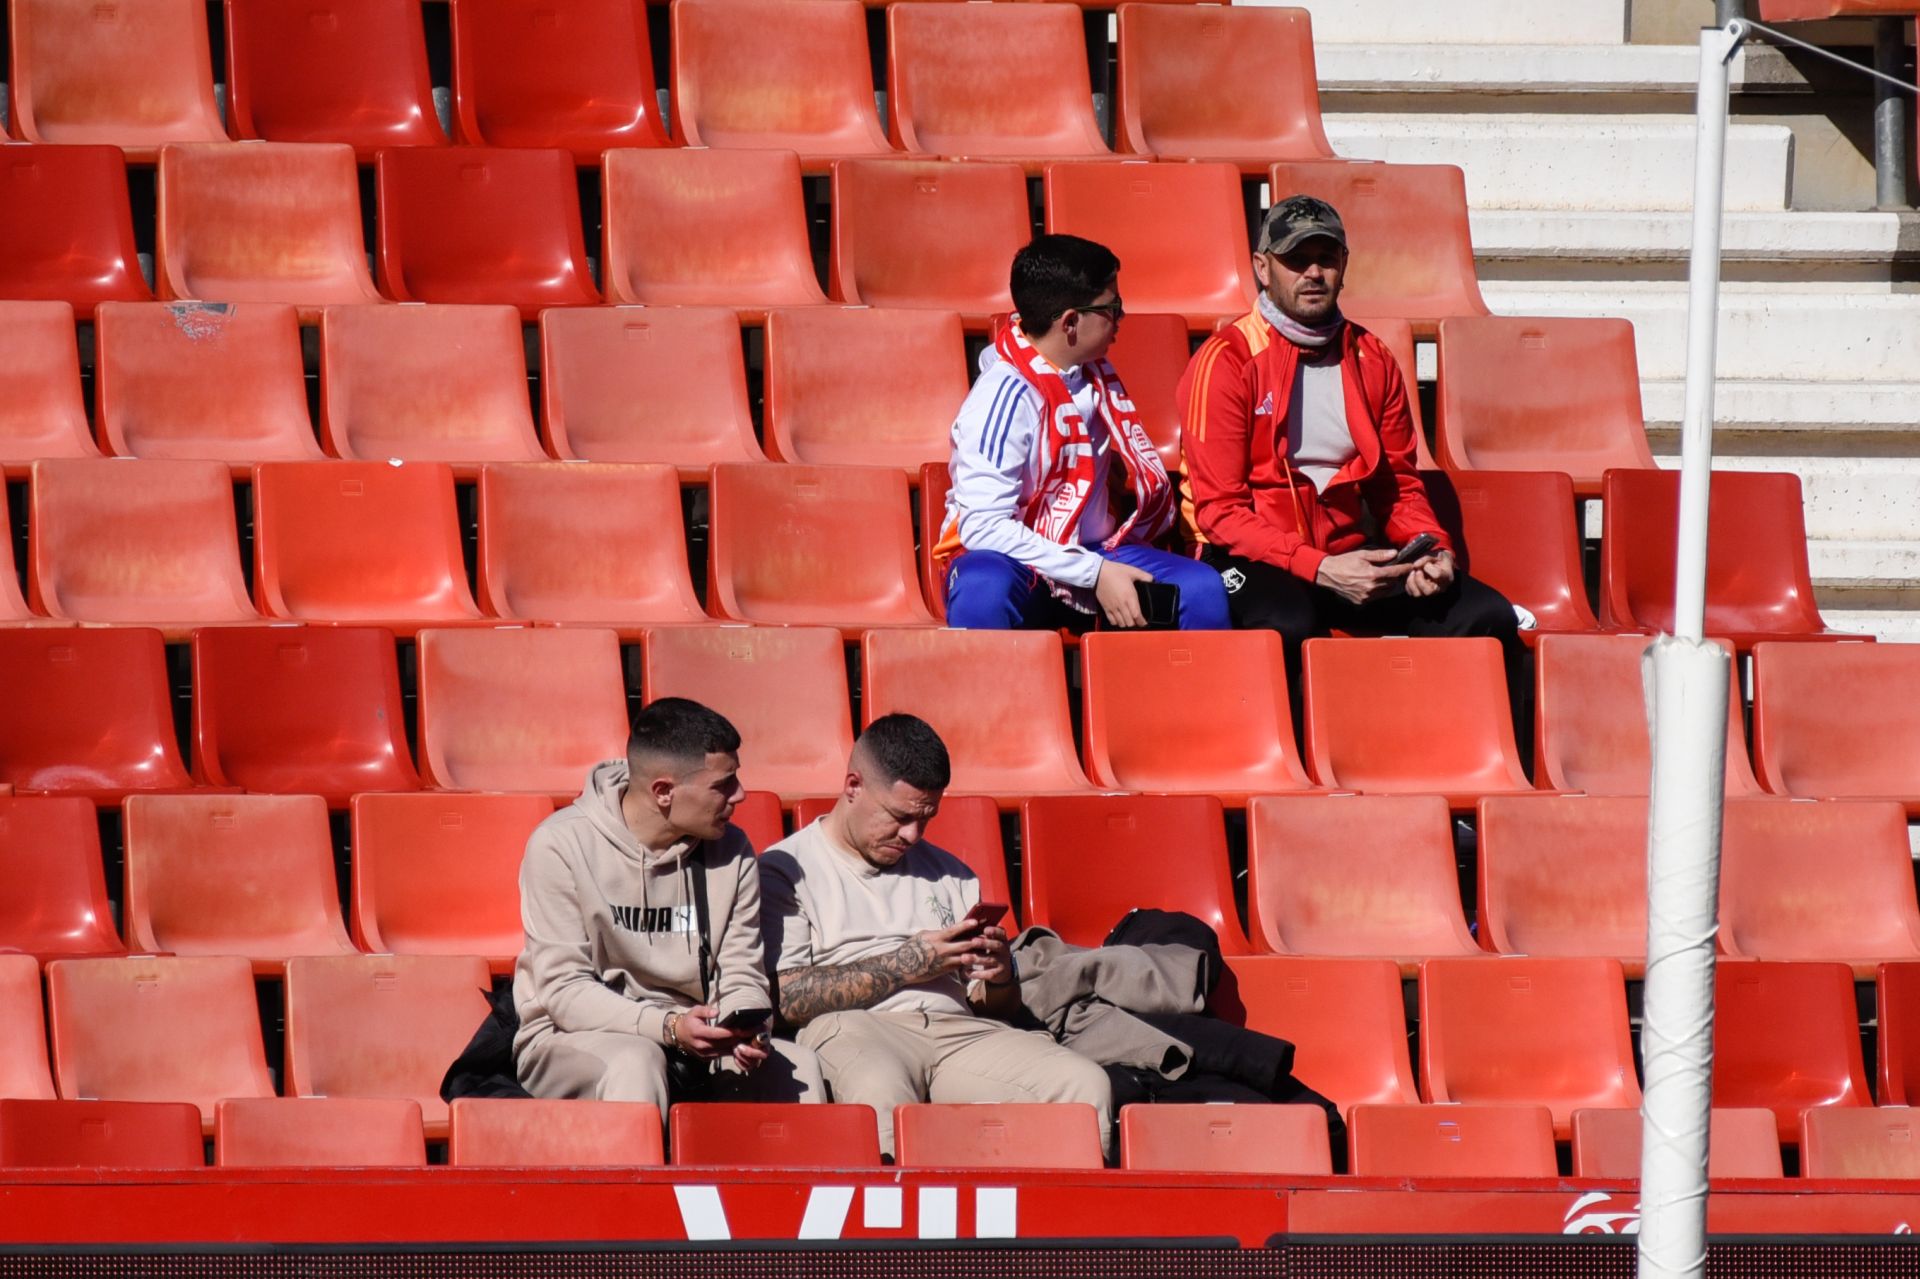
x: 24, y: 1071
x: 862, y: 388
x: 1355, y: 875
x: 968, y: 826
x: 1540, y: 394
x: 1872, y: 1144
x: 784, y: 688
x: 1089, y: 860
x: 1565, y: 875
x: 1260, y: 1141
x: 56, y: 900
x: 66, y: 227
x: 440, y: 874
x: 706, y: 228
x: 1060, y: 1134
x: 149, y: 1135
x: 128, y: 75
x: 886, y: 213
x: 935, y: 483
x: 760, y: 818
x: 1755, y: 1064
x: 1740, y: 1143
x: 201, y: 380
x: 482, y: 225
x: 13, y: 605
x: 1150, y: 354
x: 1837, y: 720
x: 599, y: 544
x: 88, y: 712
x: 318, y: 1132
x: 1510, y: 1141
x: 1397, y: 336
x: 1517, y: 532
x: 578, y: 1132
x: 352, y: 71
x: 614, y: 387
x: 1178, y: 229
x: 1898, y: 993
x: 519, y: 710
x: 764, y: 1135
x: 41, y: 412
x: 1345, y: 1018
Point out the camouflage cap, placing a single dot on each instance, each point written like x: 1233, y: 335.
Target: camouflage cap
x: 1296, y: 219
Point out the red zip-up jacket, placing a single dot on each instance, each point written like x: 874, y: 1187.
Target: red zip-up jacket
x: 1240, y: 491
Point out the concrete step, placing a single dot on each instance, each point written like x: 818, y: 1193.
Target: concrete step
x: 1478, y: 22
x: 1786, y: 237
x: 1890, y: 626
x: 1524, y: 70
x: 1769, y: 414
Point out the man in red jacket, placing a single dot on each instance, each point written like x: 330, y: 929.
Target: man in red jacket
x: 1299, y: 452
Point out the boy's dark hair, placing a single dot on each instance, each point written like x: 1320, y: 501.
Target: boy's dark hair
x: 904, y: 748
x: 1056, y: 273
x: 682, y: 731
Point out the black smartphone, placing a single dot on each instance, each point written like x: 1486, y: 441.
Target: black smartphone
x: 1419, y: 548
x: 745, y: 1019
x: 1159, y: 604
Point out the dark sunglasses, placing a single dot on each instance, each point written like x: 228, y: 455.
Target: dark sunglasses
x: 1112, y: 310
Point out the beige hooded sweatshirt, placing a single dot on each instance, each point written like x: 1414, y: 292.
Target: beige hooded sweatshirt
x: 610, y: 938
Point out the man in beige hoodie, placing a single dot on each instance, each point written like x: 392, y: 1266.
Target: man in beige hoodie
x: 617, y: 974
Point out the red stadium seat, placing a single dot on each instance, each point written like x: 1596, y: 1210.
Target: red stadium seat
x: 310, y: 1132
x: 88, y: 712
x: 41, y: 412
x: 271, y: 222
x: 150, y: 1135
x: 813, y: 546
x: 1533, y: 394
x: 1190, y: 711
x: 614, y: 387
x: 66, y: 228
x: 1257, y: 1141
x: 1407, y: 229
x: 382, y: 1026
x: 1410, y: 716
x: 13, y: 605
x: 935, y: 483
x: 23, y: 1047
x: 1565, y: 876
x: 1061, y: 1134
x: 1089, y: 860
x: 1369, y: 875
x: 1795, y: 10
x: 1838, y: 721
x: 746, y: 1134
x: 352, y: 71
x: 1511, y: 1141
x: 56, y: 901
x: 578, y: 76
x: 595, y: 545
x: 1524, y: 1032
x: 1178, y: 229
x: 440, y: 874
x: 135, y: 544
x: 991, y: 82
x: 764, y: 73
x: 519, y: 1132
x: 887, y: 212
x: 1756, y: 1064
x: 1171, y: 98
x: 1517, y: 532
x: 157, y: 1029
x: 1740, y: 1143
x: 968, y: 826
x: 706, y: 228
x: 1345, y: 1018
x: 759, y: 817
x: 133, y: 76
x: 359, y: 542
x: 203, y: 381
x: 1397, y: 335
x: 1150, y: 354
x: 1871, y: 1144
x: 1898, y: 988
x: 519, y: 710
x: 998, y: 699
x: 784, y: 688
x: 482, y: 225
x: 862, y: 387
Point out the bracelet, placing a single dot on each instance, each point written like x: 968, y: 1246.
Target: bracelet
x: 670, y: 1030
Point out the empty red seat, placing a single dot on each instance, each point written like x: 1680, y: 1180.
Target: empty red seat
x: 1355, y: 875
x: 578, y: 76
x: 1060, y: 1134
x: 1171, y: 95
x: 1565, y: 875
x: 1838, y: 721
x: 760, y: 818
x: 1548, y: 1032
x: 1178, y: 229
x: 23, y: 1047
x: 88, y: 712
x: 1397, y: 337
x: 270, y: 222
x: 1510, y: 1141
x: 594, y: 545
x: 991, y: 82
x: 614, y: 387
x: 66, y: 227
x: 1089, y: 860
x: 299, y: 711
x: 152, y: 1135
x: 1260, y: 1141
x: 1410, y: 716
x: 203, y: 381
x: 886, y: 213
x: 1740, y: 1143
x: 41, y: 412
x: 521, y: 1132
x: 325, y: 1132
x: 352, y: 71
x: 763, y: 73
x: 482, y: 225
x: 1517, y: 531
x: 157, y: 1029
x: 136, y: 544
x: 56, y: 901
x: 1540, y: 394
x: 813, y: 546
x: 128, y: 75
x: 1860, y: 1143
x: 1150, y: 354
x: 784, y: 688
x: 440, y: 874
x: 1345, y: 1018
x: 1756, y: 1062
x: 1898, y: 991
x: 759, y: 1135
x: 862, y: 387
x: 1407, y: 230
x: 706, y: 228
x: 359, y: 542
x: 997, y: 698
x: 968, y: 826
x: 519, y: 710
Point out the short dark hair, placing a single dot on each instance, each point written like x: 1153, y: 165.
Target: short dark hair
x: 1056, y: 273
x: 683, y: 731
x: 904, y: 748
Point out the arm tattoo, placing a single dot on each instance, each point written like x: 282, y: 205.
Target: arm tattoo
x: 806, y: 993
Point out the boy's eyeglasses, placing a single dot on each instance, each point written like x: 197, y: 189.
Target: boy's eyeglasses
x: 1112, y: 310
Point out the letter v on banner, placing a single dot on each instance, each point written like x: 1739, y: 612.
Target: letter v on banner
x: 893, y: 1211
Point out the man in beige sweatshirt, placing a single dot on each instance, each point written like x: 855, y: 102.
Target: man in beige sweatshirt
x: 615, y: 974
x: 902, y: 996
